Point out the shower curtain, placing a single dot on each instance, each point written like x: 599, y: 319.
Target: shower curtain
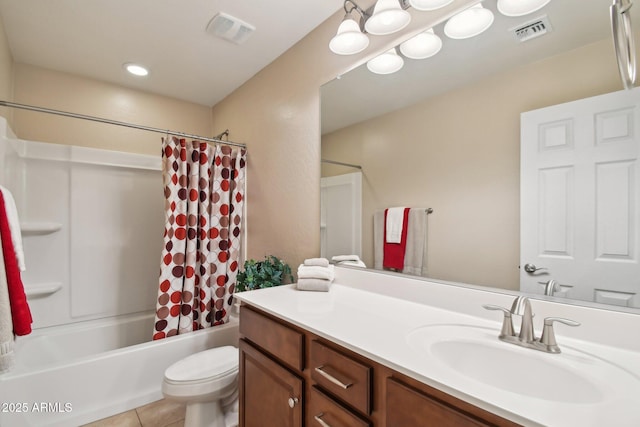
x: 204, y: 192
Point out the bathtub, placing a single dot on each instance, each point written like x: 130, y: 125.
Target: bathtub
x: 66, y: 376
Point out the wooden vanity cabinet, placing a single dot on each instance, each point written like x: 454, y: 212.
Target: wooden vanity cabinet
x: 292, y: 377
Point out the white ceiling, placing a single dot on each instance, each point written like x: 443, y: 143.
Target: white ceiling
x: 361, y: 95
x: 94, y: 38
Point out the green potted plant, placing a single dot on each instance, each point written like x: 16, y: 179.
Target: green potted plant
x: 263, y: 274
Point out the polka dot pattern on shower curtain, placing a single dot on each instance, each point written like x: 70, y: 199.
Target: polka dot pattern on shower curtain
x: 204, y: 198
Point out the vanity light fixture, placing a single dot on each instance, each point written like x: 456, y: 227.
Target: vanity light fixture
x: 469, y: 23
x: 520, y: 7
x: 388, y: 17
x: 384, y: 17
x: 429, y: 4
x: 136, y: 69
x: 350, y: 39
x: 386, y: 63
x: 422, y: 46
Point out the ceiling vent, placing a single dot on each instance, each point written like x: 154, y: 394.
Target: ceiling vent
x: 230, y: 28
x: 532, y: 29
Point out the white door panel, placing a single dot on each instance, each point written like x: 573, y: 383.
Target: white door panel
x: 579, y: 198
x: 341, y: 215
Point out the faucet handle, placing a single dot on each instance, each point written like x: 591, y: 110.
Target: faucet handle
x: 548, y: 337
x: 507, y: 323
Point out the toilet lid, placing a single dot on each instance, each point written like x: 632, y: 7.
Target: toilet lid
x: 215, y: 362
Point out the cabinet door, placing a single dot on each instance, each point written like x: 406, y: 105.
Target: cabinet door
x: 270, y: 395
x: 407, y: 407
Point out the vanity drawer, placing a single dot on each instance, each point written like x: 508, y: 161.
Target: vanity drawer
x: 279, y: 340
x: 407, y: 407
x: 341, y: 376
x: 323, y: 411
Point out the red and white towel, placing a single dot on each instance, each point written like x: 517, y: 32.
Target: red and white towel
x: 395, y: 226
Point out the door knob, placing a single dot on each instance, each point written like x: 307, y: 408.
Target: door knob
x: 293, y: 401
x: 531, y: 268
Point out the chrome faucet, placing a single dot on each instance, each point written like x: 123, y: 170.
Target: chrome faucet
x: 550, y: 287
x: 526, y: 337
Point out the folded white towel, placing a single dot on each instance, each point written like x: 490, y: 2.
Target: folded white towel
x: 14, y: 225
x: 321, y: 262
x: 340, y: 258
x: 353, y: 263
x: 395, y: 224
x: 318, y: 285
x: 315, y: 272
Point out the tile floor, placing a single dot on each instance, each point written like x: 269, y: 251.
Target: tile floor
x: 162, y: 413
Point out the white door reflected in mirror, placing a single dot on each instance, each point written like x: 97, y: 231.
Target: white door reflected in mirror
x: 579, y: 191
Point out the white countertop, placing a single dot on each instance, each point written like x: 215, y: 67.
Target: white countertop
x: 376, y: 326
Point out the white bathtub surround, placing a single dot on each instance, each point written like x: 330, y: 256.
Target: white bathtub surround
x: 90, y: 221
x: 204, y: 191
x: 96, y: 383
x: 375, y: 314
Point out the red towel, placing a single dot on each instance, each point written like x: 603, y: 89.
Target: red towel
x: 20, y: 312
x: 393, y: 253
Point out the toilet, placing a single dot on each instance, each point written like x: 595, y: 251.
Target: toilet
x: 208, y: 383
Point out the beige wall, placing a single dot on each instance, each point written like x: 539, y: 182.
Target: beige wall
x: 6, y: 73
x: 459, y: 154
x: 277, y: 113
x: 67, y: 92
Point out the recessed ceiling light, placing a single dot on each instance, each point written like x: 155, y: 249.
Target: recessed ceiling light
x: 136, y: 69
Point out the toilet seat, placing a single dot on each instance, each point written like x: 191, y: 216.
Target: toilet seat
x: 205, y: 366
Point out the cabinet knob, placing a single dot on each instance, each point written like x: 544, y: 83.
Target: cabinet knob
x: 293, y: 401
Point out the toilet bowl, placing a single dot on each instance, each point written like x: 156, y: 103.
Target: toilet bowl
x: 208, y: 383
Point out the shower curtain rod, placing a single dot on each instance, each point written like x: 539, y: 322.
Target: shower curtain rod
x: 340, y: 163
x: 125, y: 124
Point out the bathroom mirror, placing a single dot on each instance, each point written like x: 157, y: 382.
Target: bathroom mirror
x: 444, y: 132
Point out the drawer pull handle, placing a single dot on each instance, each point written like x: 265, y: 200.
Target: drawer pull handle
x: 333, y: 379
x: 320, y: 421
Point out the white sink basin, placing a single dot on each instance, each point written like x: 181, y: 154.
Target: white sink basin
x: 476, y: 354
